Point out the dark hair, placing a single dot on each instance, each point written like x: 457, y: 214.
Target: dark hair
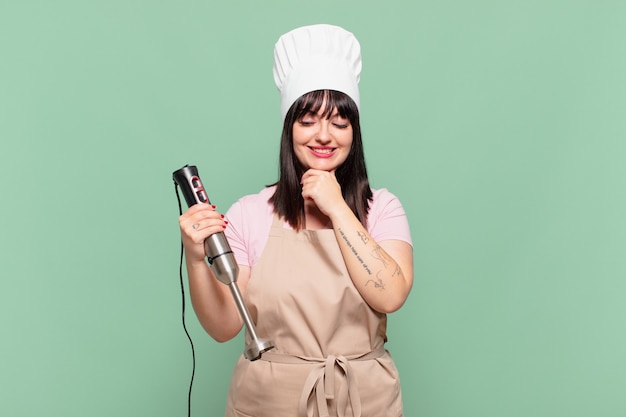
x: 351, y: 175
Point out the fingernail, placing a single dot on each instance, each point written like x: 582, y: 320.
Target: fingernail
x: 222, y: 216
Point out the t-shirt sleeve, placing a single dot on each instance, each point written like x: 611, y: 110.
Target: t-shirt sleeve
x: 249, y: 222
x: 236, y: 233
x: 387, y: 219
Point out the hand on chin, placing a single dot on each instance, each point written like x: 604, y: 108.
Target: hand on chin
x: 321, y: 189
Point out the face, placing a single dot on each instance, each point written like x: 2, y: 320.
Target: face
x: 322, y: 143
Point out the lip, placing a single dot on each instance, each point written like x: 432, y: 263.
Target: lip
x: 322, y: 151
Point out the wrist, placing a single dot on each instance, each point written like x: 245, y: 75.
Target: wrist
x: 341, y: 213
x: 195, y: 260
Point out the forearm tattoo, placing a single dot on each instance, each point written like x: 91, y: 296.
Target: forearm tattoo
x: 378, y: 283
x: 354, y: 251
x: 377, y: 253
x: 386, y: 260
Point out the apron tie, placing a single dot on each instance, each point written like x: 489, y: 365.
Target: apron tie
x: 320, y: 382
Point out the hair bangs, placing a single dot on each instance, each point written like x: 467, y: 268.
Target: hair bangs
x: 327, y: 101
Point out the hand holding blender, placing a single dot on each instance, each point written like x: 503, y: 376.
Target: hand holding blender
x: 221, y: 259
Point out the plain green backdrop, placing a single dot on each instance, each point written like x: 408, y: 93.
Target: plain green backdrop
x: 499, y: 124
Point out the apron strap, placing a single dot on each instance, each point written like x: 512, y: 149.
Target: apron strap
x: 277, y: 221
x: 321, y: 381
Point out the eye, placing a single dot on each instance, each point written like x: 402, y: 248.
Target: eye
x: 308, y: 119
x: 339, y: 122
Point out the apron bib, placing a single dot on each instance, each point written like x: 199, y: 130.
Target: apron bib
x: 329, y: 358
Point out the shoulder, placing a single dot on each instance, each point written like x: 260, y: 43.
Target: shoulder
x: 259, y: 199
x: 387, y: 219
x: 253, y: 203
x: 249, y: 221
x: 384, y: 200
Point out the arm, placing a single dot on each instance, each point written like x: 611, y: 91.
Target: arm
x: 211, y: 299
x: 382, y: 271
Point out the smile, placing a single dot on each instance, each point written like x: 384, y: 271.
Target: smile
x: 323, y: 152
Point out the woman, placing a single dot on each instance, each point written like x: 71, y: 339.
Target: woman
x: 323, y: 257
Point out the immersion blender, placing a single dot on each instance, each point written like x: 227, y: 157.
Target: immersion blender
x: 221, y: 259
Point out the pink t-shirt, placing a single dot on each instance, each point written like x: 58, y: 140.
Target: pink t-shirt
x: 250, y: 220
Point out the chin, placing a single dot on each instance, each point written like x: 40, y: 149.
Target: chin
x: 324, y: 168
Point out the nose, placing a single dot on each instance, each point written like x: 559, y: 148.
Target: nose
x: 323, y: 134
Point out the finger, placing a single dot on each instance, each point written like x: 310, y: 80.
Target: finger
x: 310, y: 173
x: 199, y: 232
x: 197, y: 216
x: 199, y: 212
x: 201, y: 224
x: 199, y: 207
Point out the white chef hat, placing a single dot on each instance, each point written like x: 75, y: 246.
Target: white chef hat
x: 317, y: 57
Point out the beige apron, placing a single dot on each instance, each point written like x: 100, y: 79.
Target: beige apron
x: 329, y: 358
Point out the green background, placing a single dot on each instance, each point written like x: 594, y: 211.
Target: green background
x: 499, y: 124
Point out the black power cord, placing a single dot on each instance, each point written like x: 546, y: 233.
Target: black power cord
x: 182, y: 291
